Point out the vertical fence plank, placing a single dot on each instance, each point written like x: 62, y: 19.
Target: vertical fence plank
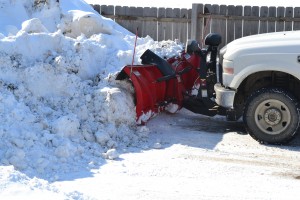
x: 297, y: 16
x: 189, y: 24
x: 207, y: 20
x: 176, y: 26
x: 223, y: 25
x: 272, y: 23
x: 280, y: 23
x: 169, y: 28
x: 150, y: 27
x: 131, y: 23
x: 142, y: 29
x: 238, y: 26
x: 197, y: 22
x: 184, y: 26
x: 289, y: 12
x: 138, y: 24
x: 254, y: 23
x: 247, y: 23
x: 121, y: 11
x: 230, y: 24
x: 215, y: 10
x: 161, y: 26
x: 128, y: 22
x: 107, y: 10
x: 264, y: 13
x: 97, y: 8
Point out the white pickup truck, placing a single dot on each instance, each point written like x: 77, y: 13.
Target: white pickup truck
x: 261, y: 83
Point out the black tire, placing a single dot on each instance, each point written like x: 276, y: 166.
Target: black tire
x: 272, y: 116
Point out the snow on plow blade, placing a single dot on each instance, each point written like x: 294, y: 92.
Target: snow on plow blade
x: 149, y: 93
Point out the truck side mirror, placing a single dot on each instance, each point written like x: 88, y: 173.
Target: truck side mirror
x: 213, y: 39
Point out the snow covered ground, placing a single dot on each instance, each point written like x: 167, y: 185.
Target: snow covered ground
x: 185, y: 156
x: 68, y: 128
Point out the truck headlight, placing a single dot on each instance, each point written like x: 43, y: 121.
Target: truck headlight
x: 228, y: 70
x: 228, y: 67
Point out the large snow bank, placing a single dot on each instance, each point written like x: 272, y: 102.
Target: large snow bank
x: 61, y: 109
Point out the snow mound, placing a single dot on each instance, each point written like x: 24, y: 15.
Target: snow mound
x: 61, y: 108
x: 71, y: 17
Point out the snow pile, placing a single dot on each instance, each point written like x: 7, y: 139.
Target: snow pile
x: 61, y: 108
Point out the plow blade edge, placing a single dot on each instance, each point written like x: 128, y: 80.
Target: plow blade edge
x: 149, y: 93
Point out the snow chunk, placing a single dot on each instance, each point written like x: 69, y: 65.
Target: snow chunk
x: 118, y: 106
x: 33, y: 26
x: 87, y: 24
x: 102, y: 137
x: 111, y: 154
x: 145, y: 117
x: 66, y: 126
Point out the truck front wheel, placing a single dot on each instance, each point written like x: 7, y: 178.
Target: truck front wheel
x: 272, y: 115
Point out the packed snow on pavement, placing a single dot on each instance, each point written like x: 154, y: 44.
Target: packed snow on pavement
x: 68, y: 129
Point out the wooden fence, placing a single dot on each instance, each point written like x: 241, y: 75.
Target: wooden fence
x: 231, y: 22
x: 159, y: 23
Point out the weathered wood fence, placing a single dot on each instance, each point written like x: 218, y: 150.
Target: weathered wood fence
x: 231, y: 22
x: 159, y: 23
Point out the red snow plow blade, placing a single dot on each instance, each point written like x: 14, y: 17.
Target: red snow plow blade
x: 183, y: 81
x: 160, y: 85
